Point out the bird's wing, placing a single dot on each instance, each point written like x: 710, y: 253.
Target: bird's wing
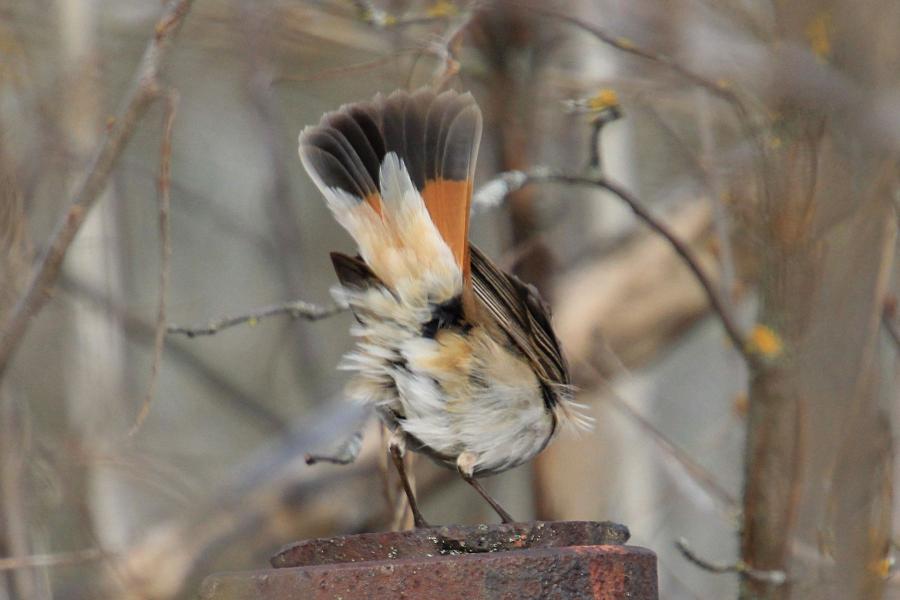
x: 520, y: 312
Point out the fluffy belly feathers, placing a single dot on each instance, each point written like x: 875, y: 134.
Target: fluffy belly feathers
x: 457, y: 392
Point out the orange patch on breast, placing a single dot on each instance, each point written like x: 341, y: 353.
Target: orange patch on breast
x: 449, y: 361
x: 453, y: 357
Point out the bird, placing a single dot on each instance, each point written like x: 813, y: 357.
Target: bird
x: 458, y: 358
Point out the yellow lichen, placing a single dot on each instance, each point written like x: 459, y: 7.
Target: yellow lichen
x: 603, y: 99
x: 764, y: 341
x: 882, y: 567
x: 379, y: 18
x: 442, y: 8
x: 819, y: 34
x: 625, y: 43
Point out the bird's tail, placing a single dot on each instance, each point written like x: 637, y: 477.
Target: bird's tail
x: 397, y: 173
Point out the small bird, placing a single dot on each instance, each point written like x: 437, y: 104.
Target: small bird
x: 458, y: 358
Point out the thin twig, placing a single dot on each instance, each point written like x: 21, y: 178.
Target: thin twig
x: 595, y: 152
x: 281, y: 209
x: 629, y: 47
x: 344, y: 71
x: 449, y: 53
x: 295, y: 309
x: 346, y: 453
x: 890, y: 325
x: 494, y: 191
x: 144, y: 91
x: 16, y: 505
x: 696, y: 471
x: 51, y: 560
x: 712, y: 179
x: 141, y: 331
x: 165, y: 251
x: 382, y: 19
x: 718, y: 89
x: 687, y: 255
x: 741, y: 568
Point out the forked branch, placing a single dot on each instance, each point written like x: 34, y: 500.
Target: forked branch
x: 144, y: 91
x: 164, y: 198
x: 494, y: 191
x: 774, y: 578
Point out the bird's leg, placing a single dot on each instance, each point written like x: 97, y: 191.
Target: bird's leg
x: 397, y: 448
x: 464, y: 464
x: 345, y: 454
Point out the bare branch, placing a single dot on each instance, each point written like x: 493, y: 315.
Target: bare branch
x: 59, y: 559
x: 144, y: 91
x: 628, y: 46
x: 230, y: 394
x: 165, y: 251
x: 345, y: 454
x: 382, y: 19
x: 604, y: 106
x: 893, y: 331
x: 449, y: 52
x: 606, y: 116
x: 775, y: 578
x: 349, y: 70
x: 695, y: 470
x: 890, y: 324
x: 718, y: 89
x: 295, y: 309
x: 493, y: 193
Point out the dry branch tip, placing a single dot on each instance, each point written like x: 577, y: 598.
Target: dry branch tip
x: 774, y: 577
x: 295, y: 309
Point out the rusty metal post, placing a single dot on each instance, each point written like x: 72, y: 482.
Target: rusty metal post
x: 562, y: 560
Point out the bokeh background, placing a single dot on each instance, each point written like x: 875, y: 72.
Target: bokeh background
x: 765, y: 135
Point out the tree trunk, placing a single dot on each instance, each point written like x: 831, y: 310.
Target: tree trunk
x: 817, y: 498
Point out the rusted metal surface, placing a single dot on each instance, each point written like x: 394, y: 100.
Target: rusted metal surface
x: 554, y: 560
x: 450, y: 540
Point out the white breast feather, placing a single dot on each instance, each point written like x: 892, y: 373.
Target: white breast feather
x: 404, y: 249
x: 402, y: 246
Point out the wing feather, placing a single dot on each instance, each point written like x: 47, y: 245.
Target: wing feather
x: 520, y: 312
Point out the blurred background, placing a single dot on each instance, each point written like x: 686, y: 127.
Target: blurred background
x: 764, y: 135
